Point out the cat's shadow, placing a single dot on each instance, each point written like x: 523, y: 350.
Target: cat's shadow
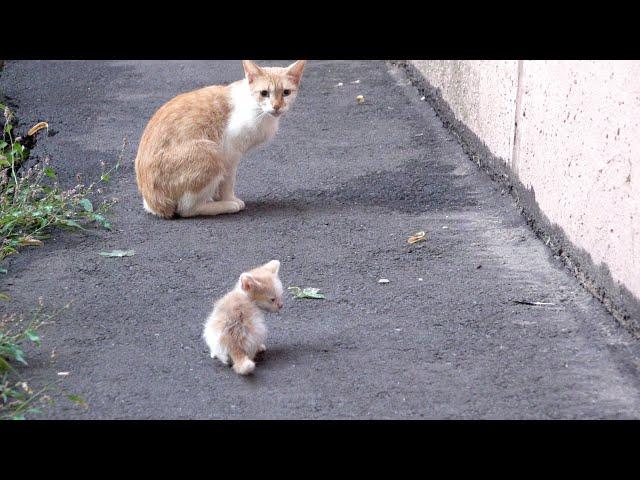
x: 282, y: 206
x: 410, y: 187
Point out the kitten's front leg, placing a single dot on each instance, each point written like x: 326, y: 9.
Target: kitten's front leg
x: 227, y: 187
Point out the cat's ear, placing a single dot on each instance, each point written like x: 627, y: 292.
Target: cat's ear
x: 251, y: 70
x: 295, y: 70
x: 273, y: 266
x: 247, y: 282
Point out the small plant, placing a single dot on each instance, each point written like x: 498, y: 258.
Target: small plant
x: 32, y: 203
x: 17, y: 398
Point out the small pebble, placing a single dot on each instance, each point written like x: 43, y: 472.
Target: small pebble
x: 383, y: 280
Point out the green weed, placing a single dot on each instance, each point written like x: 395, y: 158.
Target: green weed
x: 32, y: 203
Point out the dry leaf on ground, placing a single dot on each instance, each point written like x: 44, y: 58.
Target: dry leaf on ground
x: 417, y: 237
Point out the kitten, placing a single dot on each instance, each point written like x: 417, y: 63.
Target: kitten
x: 190, y: 149
x: 235, y: 329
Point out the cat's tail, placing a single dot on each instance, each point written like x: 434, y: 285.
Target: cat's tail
x: 164, y: 208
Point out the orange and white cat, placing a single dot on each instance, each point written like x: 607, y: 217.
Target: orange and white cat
x: 235, y: 329
x: 190, y: 149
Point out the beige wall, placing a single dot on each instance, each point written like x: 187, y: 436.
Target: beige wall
x: 577, y: 143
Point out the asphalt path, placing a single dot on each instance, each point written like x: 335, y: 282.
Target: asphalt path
x: 334, y: 197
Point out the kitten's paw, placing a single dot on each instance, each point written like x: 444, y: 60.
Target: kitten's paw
x: 245, y: 367
x: 262, y: 348
x: 223, y: 358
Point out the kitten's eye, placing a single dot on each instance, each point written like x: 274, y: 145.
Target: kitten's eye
x: 264, y: 93
x: 273, y: 300
x: 286, y: 92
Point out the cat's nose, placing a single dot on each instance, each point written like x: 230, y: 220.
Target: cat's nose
x: 280, y: 304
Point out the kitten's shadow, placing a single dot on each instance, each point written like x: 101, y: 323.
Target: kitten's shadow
x: 279, y: 356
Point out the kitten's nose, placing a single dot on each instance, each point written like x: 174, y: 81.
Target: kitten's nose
x: 280, y: 304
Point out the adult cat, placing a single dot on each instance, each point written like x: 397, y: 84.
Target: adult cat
x: 190, y: 149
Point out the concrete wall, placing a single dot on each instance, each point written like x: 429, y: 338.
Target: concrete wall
x: 569, y: 133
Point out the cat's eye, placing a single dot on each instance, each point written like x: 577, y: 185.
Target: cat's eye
x: 264, y: 93
x: 286, y: 92
x: 273, y: 299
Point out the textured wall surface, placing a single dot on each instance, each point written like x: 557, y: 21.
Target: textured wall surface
x: 481, y: 94
x: 576, y: 129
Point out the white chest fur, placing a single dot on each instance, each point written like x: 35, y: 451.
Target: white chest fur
x: 248, y: 126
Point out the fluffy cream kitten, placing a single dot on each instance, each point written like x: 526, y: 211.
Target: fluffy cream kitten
x: 235, y: 329
x: 190, y: 149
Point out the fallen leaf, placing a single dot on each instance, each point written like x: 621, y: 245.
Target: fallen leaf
x: 3, y: 270
x: 340, y: 84
x: 306, y: 293
x: 28, y: 240
x: 360, y: 98
x: 5, y: 297
x: 37, y: 127
x: 118, y: 253
x: 417, y: 237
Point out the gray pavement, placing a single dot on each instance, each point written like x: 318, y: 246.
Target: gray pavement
x: 334, y: 197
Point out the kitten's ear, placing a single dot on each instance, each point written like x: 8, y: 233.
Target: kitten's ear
x: 251, y: 70
x: 295, y: 70
x: 273, y: 266
x: 247, y: 282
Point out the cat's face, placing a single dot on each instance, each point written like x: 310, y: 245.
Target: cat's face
x: 263, y: 286
x: 274, y: 88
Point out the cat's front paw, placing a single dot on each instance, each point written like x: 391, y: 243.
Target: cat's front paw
x: 262, y: 348
x: 239, y: 202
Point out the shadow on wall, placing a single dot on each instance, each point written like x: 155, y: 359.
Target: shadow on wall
x: 597, y: 279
